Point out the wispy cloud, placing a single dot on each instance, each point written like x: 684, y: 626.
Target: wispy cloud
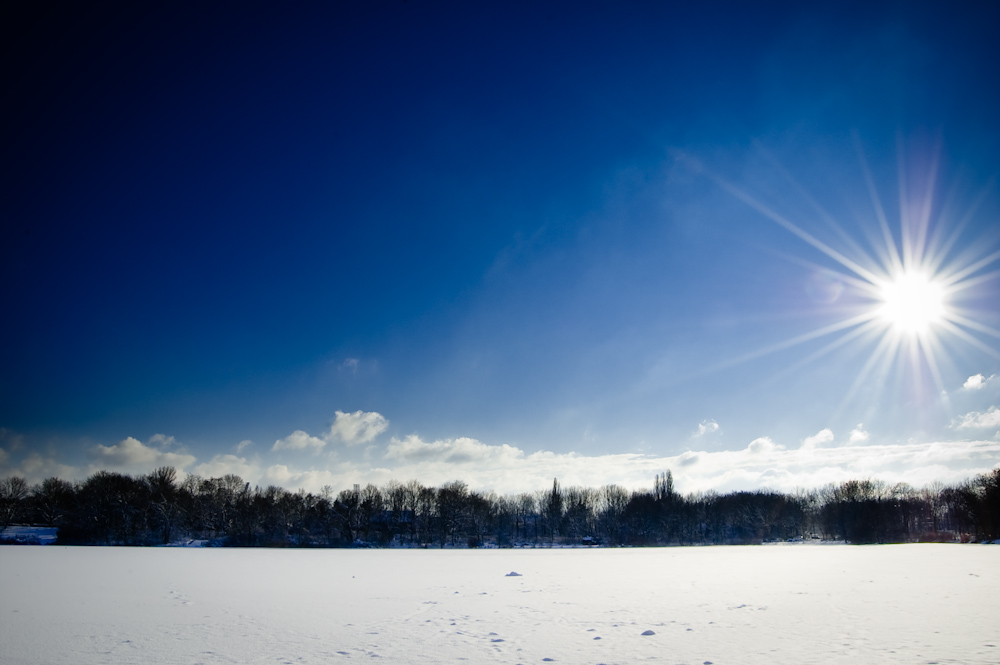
x: 977, y: 420
x: 222, y: 465
x: 162, y: 441
x: 452, y: 451
x: 706, y: 427
x: 10, y: 439
x: 818, y: 439
x: 37, y: 467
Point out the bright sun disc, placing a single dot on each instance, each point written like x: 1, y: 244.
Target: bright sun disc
x: 912, y: 302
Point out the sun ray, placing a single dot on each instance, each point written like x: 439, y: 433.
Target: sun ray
x: 865, y: 286
x: 969, y: 323
x: 892, y: 252
x: 925, y: 208
x: 958, y: 332
x: 927, y: 344
x: 795, y: 341
x: 827, y: 218
x: 914, y: 223
x: 884, y: 351
x: 789, y: 226
x: 973, y: 281
x: 970, y: 269
x: 867, y: 328
x: 934, y: 264
x: 902, y: 290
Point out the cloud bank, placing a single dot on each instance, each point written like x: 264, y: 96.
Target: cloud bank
x: 762, y: 463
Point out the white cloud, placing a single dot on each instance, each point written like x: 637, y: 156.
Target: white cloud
x: 762, y: 444
x: 351, y: 429
x: 358, y: 427
x: 245, y: 443
x: 977, y: 420
x: 506, y: 468
x: 11, y: 439
x: 35, y: 468
x: 162, y: 441
x: 32, y: 465
x: 815, y: 441
x: 858, y: 434
x: 299, y: 440
x: 131, y: 456
x: 762, y: 463
x: 452, y: 451
x: 707, y: 426
x: 312, y: 479
x: 222, y: 465
x: 977, y: 381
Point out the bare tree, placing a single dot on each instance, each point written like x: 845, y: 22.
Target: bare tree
x: 452, y: 505
x: 53, y: 500
x: 13, y: 494
x: 612, y: 501
x: 164, y: 501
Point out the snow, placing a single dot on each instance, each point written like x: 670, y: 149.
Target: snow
x: 800, y: 603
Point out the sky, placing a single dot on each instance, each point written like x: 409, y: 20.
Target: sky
x: 755, y: 244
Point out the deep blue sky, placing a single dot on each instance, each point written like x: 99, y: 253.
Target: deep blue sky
x: 498, y: 221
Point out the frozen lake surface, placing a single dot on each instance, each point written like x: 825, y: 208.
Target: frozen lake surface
x: 770, y: 604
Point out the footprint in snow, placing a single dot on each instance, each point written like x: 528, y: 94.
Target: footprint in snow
x: 648, y: 632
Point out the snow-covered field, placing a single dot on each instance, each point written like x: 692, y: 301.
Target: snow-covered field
x: 769, y: 604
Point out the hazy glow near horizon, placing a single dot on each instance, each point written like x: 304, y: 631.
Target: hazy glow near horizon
x: 911, y: 302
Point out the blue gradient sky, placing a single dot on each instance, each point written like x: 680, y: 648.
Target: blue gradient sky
x: 497, y: 242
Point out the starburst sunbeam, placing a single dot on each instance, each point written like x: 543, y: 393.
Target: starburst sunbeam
x: 905, y: 288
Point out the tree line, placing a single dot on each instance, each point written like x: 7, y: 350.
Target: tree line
x: 110, y: 508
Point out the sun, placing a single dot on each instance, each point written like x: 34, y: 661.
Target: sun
x: 911, y: 303
x: 907, y: 297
